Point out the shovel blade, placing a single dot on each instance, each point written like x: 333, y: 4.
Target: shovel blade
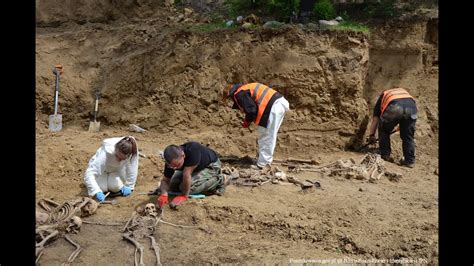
x: 94, y: 126
x: 55, y: 123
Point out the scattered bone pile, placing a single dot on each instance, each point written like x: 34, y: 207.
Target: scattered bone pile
x: 142, y: 224
x: 370, y: 168
x: 253, y: 177
x: 273, y: 175
x: 56, y: 220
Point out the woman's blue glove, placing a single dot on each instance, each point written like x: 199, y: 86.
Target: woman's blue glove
x: 126, y: 191
x: 100, y: 196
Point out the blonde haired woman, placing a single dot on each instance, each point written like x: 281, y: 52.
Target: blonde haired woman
x: 114, y: 168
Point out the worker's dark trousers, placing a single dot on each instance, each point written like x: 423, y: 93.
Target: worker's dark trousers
x: 405, y: 114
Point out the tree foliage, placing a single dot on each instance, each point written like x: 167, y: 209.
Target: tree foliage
x: 324, y: 9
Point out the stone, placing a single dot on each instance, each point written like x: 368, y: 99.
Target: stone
x: 188, y: 11
x: 247, y: 25
x: 272, y: 24
x: 327, y: 24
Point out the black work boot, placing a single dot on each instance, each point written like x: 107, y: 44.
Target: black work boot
x: 406, y: 164
x: 388, y: 158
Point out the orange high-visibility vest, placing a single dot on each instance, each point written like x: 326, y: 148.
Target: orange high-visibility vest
x: 392, y: 94
x: 260, y: 93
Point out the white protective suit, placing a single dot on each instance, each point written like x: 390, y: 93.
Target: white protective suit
x: 105, y: 173
x: 268, y: 136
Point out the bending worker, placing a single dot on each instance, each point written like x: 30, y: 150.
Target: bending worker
x: 190, y: 168
x: 114, y: 168
x: 266, y: 108
x: 395, y: 106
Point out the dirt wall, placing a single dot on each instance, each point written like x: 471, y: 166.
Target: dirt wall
x: 164, y: 81
x: 56, y: 12
x: 164, y: 74
x: 405, y: 53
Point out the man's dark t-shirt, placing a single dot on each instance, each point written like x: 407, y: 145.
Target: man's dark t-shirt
x: 195, y: 154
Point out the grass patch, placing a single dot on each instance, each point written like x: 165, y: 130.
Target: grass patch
x: 352, y: 26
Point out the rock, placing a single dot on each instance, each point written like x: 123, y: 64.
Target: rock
x: 188, y: 11
x: 229, y: 23
x: 247, y: 25
x: 306, y: 185
x: 348, y: 248
x: 327, y: 24
x: 353, y: 40
x: 312, y: 26
x: 135, y: 128
x: 339, y: 19
x: 272, y: 24
x: 169, y: 2
x: 239, y: 19
x: 392, y: 176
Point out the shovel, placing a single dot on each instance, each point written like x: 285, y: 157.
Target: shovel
x: 94, y: 126
x: 56, y: 121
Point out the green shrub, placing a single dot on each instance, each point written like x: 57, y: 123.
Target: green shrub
x: 382, y: 9
x: 345, y: 16
x: 352, y: 26
x: 280, y: 9
x: 283, y: 10
x: 324, y: 9
x: 239, y: 7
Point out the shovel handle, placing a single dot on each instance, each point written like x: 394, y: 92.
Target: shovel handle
x: 57, y: 71
x: 96, y: 108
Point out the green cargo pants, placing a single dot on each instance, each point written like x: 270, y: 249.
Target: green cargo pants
x: 209, y: 180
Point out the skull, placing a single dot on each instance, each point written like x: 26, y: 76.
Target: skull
x: 74, y: 224
x: 150, y: 210
x: 90, y: 207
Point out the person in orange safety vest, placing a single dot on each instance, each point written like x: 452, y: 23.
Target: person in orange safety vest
x: 395, y: 107
x: 266, y: 108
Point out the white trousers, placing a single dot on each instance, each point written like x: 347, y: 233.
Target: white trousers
x: 110, y: 182
x: 267, y: 137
